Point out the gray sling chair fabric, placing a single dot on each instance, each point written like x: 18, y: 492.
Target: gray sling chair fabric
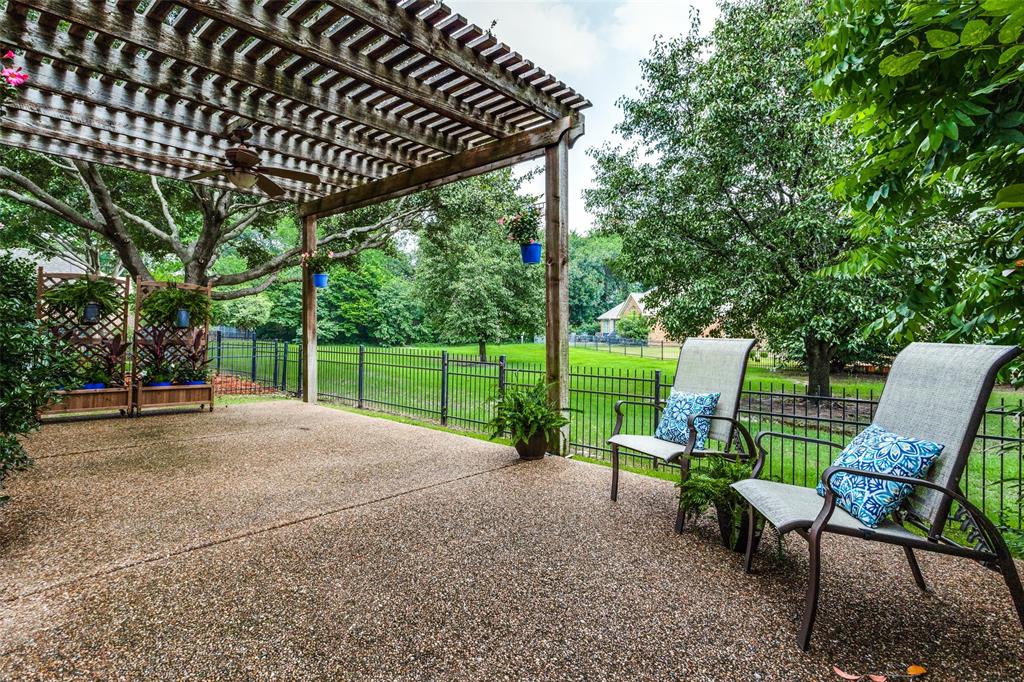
x: 937, y: 392
x: 705, y: 366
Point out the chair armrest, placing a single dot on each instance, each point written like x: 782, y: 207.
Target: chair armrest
x: 619, y: 415
x: 748, y: 442
x: 762, y: 453
x: 978, y: 516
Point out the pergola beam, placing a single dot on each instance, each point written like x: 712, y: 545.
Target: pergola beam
x: 296, y: 38
x: 476, y: 161
x: 161, y: 39
x: 436, y: 45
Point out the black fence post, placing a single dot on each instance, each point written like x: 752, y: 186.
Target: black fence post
x: 501, y: 376
x: 219, y: 349
x: 362, y: 375
x: 657, y: 397
x: 444, y: 388
x: 276, y: 360
x: 298, y: 390
x: 284, y: 369
x: 253, y: 357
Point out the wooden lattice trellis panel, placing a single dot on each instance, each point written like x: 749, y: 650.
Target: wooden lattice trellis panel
x: 86, y: 343
x: 178, y: 342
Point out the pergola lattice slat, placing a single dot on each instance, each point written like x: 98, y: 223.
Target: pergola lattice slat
x: 380, y: 98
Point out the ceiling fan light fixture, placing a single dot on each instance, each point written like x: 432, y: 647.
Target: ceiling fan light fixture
x: 242, y: 179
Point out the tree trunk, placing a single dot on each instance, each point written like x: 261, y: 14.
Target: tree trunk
x: 483, y: 350
x: 819, y: 356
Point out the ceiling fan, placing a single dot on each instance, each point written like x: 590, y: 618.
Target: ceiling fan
x: 244, y: 170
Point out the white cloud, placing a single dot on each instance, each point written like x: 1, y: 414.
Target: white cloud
x: 553, y: 35
x: 636, y: 22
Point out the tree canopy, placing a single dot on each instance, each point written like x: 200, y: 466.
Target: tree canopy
x: 721, y: 197
x: 934, y: 92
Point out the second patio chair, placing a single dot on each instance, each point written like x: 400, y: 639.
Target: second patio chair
x: 704, y: 366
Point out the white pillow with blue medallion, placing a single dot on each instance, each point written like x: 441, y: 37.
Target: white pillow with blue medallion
x: 678, y: 409
x: 871, y: 500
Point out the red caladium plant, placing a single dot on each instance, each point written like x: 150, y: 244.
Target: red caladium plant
x: 11, y: 78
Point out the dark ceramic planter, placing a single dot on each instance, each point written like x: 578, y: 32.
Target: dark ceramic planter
x: 182, y: 319
x: 91, y: 313
x: 534, y: 449
x: 725, y: 528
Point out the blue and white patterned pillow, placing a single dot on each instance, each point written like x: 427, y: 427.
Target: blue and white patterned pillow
x: 678, y: 409
x: 874, y: 449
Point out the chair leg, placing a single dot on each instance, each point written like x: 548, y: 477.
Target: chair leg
x: 915, y: 569
x: 684, y: 473
x: 615, y: 472
x: 1010, y: 575
x: 803, y: 638
x: 748, y: 559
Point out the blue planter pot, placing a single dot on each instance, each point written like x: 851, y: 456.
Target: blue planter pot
x: 530, y: 252
x: 182, y: 319
x: 94, y: 386
x: 320, y: 280
x: 158, y: 383
x: 193, y: 383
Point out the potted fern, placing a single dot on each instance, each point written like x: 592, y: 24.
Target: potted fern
x: 528, y: 418
x: 710, y: 485
x: 90, y: 299
x: 176, y: 306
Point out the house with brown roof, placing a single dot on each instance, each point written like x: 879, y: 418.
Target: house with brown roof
x: 634, y: 303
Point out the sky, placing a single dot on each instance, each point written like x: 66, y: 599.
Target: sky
x: 595, y: 47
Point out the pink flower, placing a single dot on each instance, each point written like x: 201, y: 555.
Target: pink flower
x: 9, y: 55
x: 501, y: 221
x: 14, y: 77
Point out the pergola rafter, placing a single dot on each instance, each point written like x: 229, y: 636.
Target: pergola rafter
x: 378, y: 98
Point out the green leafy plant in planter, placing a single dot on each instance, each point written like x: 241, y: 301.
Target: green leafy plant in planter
x: 528, y: 418
x: 94, y: 375
x: 162, y: 306
x: 709, y: 485
x: 523, y: 227
x: 156, y: 365
x: 89, y: 299
x: 318, y: 262
x: 113, y: 351
x: 193, y: 367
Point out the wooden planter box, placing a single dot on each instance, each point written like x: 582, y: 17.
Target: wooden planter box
x: 170, y: 396
x: 82, y: 400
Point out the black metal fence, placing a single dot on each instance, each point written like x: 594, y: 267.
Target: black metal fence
x: 458, y: 391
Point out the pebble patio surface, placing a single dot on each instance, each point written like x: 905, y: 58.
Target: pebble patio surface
x: 279, y: 540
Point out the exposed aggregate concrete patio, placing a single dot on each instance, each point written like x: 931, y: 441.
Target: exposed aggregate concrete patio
x: 280, y: 540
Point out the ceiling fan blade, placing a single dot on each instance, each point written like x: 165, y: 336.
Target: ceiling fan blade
x: 205, y: 174
x: 290, y: 174
x: 272, y: 189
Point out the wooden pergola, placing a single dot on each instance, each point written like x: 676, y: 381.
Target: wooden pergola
x: 380, y: 98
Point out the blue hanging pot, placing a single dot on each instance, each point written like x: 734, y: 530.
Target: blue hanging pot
x: 530, y: 252
x: 91, y: 313
x: 182, y: 319
x: 320, y: 280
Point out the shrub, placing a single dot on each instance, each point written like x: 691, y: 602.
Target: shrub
x: 33, y: 365
x: 633, y: 326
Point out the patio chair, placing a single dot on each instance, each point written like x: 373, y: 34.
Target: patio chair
x: 936, y: 392
x: 704, y: 366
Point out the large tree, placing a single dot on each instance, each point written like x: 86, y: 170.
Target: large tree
x: 721, y: 196
x: 471, y: 279
x: 111, y: 220
x: 935, y: 93
x: 594, y: 281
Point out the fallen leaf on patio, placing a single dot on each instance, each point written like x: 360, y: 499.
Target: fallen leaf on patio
x: 916, y: 670
x: 845, y: 675
x: 878, y: 678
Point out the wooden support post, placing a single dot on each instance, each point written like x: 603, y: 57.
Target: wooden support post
x: 556, y: 246
x: 309, y: 384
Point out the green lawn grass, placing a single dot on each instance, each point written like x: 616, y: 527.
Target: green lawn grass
x: 407, y: 382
